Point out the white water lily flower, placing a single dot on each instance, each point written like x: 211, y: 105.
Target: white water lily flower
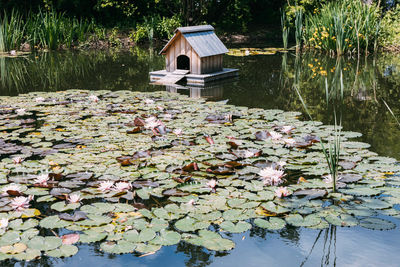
x: 282, y: 192
x: 20, y: 203
x: 106, y: 186
x: 17, y: 160
x: 39, y: 99
x: 212, y: 183
x: 74, y: 198
x: 42, y: 179
x: 274, y: 135
x: 20, y: 111
x: 3, y: 223
x: 122, y: 186
x: 94, y: 98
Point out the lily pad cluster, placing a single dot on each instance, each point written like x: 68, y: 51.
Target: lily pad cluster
x: 138, y: 171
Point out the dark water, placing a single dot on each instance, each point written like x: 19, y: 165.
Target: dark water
x: 264, y: 82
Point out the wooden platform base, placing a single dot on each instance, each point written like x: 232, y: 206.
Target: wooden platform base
x: 196, y: 79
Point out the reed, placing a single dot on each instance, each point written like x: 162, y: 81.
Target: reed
x: 298, y: 23
x: 12, y: 30
x: 285, y: 30
x: 343, y: 26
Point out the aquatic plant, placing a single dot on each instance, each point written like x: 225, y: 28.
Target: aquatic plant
x: 12, y: 31
x: 130, y: 188
x: 298, y: 25
x: 343, y: 26
x: 285, y: 30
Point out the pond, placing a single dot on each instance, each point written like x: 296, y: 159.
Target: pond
x: 265, y: 82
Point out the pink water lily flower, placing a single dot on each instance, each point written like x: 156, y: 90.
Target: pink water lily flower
x: 17, y: 160
x: 20, y: 111
x: 177, y: 131
x: 42, y: 179
x: 212, y: 183
x: 3, y: 223
x: 281, y: 192
x: 287, y: 129
x: 148, y: 101
x: 94, y: 98
x: 74, y: 198
x: 152, y: 122
x: 21, y: 203
x: 191, y: 202
x: 39, y: 99
x: 122, y: 186
x: 106, y: 186
x: 274, y: 135
x: 271, y: 176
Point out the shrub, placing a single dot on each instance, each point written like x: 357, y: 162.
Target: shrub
x: 389, y: 36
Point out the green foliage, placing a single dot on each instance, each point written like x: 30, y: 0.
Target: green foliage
x: 389, y: 35
x: 155, y: 27
x: 46, y: 29
x: 12, y: 30
x: 342, y: 26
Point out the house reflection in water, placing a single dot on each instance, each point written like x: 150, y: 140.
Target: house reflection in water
x: 211, y: 91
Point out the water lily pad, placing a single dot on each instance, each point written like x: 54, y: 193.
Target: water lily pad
x: 167, y: 238
x: 211, y: 241
x: 377, y: 224
x: 271, y: 224
x: 239, y: 227
x: 63, y: 251
x: 189, y: 224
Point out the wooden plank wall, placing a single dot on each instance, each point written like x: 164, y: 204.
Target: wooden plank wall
x: 197, y: 65
x: 211, y: 64
x: 181, y: 47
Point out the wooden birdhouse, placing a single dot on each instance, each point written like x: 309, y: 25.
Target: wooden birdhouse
x: 195, y: 53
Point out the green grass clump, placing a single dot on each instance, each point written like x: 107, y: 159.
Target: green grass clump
x: 343, y: 26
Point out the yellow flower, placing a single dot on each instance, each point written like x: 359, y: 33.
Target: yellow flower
x: 312, y: 39
x: 344, y: 68
x: 323, y: 73
x: 350, y: 45
x: 310, y: 65
x: 346, y: 40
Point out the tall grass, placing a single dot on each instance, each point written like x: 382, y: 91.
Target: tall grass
x: 343, y: 26
x: 12, y: 30
x: 298, y: 24
x: 285, y: 30
x: 52, y: 30
x: 45, y: 29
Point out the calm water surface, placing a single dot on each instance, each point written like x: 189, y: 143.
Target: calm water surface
x: 264, y: 82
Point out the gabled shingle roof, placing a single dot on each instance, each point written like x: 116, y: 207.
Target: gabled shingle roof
x: 202, y: 39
